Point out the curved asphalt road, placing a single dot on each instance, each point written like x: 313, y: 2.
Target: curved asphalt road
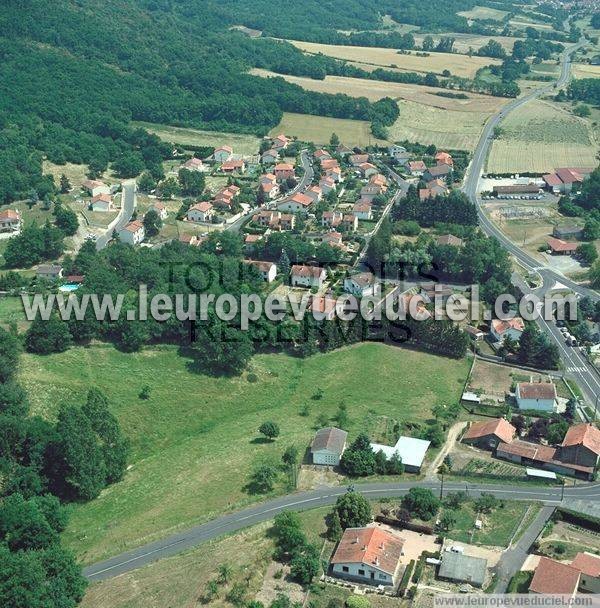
x: 301, y: 501
x: 576, y: 365
x: 128, y: 202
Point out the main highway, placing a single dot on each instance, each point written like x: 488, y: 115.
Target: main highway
x: 576, y: 365
x: 301, y: 501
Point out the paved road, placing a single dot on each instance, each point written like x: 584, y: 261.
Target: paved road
x: 576, y: 366
x: 513, y: 559
x: 128, y: 202
x: 304, y: 182
x: 301, y: 501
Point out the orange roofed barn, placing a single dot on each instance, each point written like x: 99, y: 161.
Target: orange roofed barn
x: 488, y: 435
x: 368, y: 555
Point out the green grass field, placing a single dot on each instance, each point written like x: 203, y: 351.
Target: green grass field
x: 11, y: 311
x: 483, y: 12
x: 194, y: 442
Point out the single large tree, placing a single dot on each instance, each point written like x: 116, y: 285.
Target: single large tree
x: 353, y: 509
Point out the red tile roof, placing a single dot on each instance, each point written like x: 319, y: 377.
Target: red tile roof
x: 9, y: 214
x: 371, y: 546
x: 536, y: 390
x: 569, y: 175
x: 307, y: 271
x: 500, y: 326
x: 499, y: 427
x: 330, y: 438
x: 587, y: 563
x: 553, y: 577
x: 560, y: 245
x: 584, y: 434
x: 552, y: 179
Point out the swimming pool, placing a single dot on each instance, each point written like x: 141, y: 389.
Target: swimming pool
x: 68, y: 287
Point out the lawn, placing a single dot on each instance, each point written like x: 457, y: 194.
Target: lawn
x: 318, y: 129
x: 459, y: 65
x: 484, y: 12
x: 194, y: 442
x: 241, y: 144
x: 539, y: 137
x: 499, y: 526
x: 11, y: 311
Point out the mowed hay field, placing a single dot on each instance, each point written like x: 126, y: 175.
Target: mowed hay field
x: 241, y: 143
x: 540, y: 137
x: 483, y: 12
x: 195, y: 441
x: 585, y: 70
x: 459, y: 65
x: 318, y: 129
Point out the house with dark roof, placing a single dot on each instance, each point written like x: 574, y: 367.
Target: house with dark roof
x: 368, y: 555
x: 489, y: 434
x: 539, y: 396
x: 439, y: 171
x: 461, y: 568
x: 449, y: 239
x: 328, y: 446
x: 564, y: 232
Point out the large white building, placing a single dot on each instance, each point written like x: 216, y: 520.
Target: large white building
x: 410, y: 450
x: 539, y: 396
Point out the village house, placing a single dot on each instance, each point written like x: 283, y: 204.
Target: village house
x: 474, y: 333
x: 161, y: 210
x: 283, y: 171
x: 234, y: 166
x: 94, y: 187
x: 361, y: 285
x: 398, y: 153
x: 449, y: 239
x: 189, y: 239
x: 280, y: 142
x: 565, y: 179
x: 343, y: 150
x: 500, y: 329
x: 268, y: 184
x: 539, y: 396
x: 10, y: 220
x: 267, y: 270
x: 250, y: 240
x: 581, y: 445
x: 379, y: 180
x: 488, y: 435
x: 329, y: 164
x: 588, y: 565
x: 370, y: 191
x: 315, y: 193
x: 415, y: 167
x: 296, y: 204
x: 269, y: 157
x: 49, y: 272
x: 222, y: 154
x: 363, y: 210
x: 367, y: 169
x: 443, y: 158
x: 327, y: 184
x: 552, y: 577
x: 225, y: 196
x: 349, y: 222
x: 323, y: 308
x: 332, y: 219
x: 358, y: 159
x: 201, y: 212
x: 321, y: 155
x: 193, y: 164
x: 334, y: 239
x: 560, y: 247
x: 335, y: 173
x: 328, y: 446
x: 132, y: 233
x: 368, y: 555
x: 275, y: 220
x: 308, y: 276
x: 102, y: 203
x: 439, y: 171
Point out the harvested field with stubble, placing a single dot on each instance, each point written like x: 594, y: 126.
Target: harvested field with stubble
x: 483, y: 12
x: 318, y: 129
x: 462, y: 42
x: 585, y: 70
x: 541, y: 136
x: 459, y: 65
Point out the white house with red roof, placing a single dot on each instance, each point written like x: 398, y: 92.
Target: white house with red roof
x: 94, y: 187
x: 269, y: 157
x: 554, y: 578
x: 201, y: 212
x: 267, y: 270
x: 133, y: 233
x: 283, y: 171
x: 10, y: 220
x: 363, y: 210
x: 280, y: 142
x: 296, y: 204
x: 588, y: 565
x: 368, y: 555
x: 308, y: 276
x: 161, y: 210
x: 102, y: 203
x: 539, y: 396
x: 193, y: 164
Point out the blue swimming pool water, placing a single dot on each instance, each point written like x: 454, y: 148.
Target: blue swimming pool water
x: 69, y: 287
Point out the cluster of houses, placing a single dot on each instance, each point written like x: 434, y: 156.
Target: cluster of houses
x: 223, y: 201
x: 578, y: 455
